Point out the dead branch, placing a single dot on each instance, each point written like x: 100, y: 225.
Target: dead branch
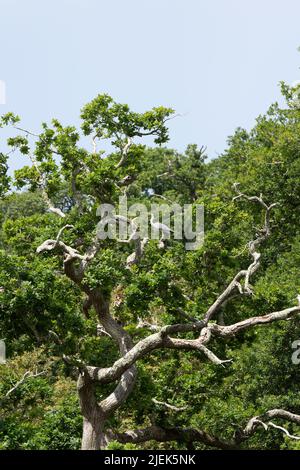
x: 168, y: 406
x: 124, y: 152
x: 26, y: 376
x: 159, y: 434
x: 253, y: 245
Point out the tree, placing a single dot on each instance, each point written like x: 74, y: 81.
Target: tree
x: 177, y: 295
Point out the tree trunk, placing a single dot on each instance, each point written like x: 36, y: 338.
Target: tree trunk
x: 92, y: 434
x: 95, y: 414
x: 93, y: 417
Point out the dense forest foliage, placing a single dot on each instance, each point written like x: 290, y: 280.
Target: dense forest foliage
x: 51, y: 333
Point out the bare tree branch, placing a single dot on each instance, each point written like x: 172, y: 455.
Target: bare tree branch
x: 168, y: 406
x: 257, y: 421
x: 162, y: 339
x: 231, y: 330
x: 262, y: 235
x: 291, y: 436
x: 124, y: 152
x: 159, y: 434
x: 283, y: 414
x: 26, y: 376
x: 193, y: 435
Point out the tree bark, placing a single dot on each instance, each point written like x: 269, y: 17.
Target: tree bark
x: 93, y: 417
x: 92, y: 433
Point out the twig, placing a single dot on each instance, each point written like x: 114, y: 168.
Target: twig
x: 170, y: 407
x: 27, y: 375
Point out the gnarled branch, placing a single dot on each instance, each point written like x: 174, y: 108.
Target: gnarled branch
x: 159, y: 434
x: 253, y: 245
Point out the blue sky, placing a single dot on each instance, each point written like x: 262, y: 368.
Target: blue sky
x: 217, y: 62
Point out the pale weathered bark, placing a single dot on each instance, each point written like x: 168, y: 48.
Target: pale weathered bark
x: 93, y: 419
x: 191, y: 436
x: 159, y: 434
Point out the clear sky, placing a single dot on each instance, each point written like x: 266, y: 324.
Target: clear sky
x: 217, y: 62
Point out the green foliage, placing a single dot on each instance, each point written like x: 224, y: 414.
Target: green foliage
x: 108, y: 119
x: 36, y: 297
x: 43, y: 411
x: 4, y: 179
